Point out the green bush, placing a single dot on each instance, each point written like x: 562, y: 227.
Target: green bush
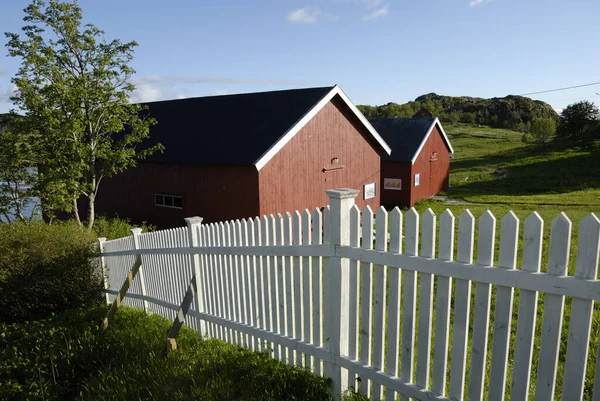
x: 46, y: 268
x: 116, y: 227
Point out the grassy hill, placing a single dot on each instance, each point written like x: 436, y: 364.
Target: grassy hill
x: 495, y: 166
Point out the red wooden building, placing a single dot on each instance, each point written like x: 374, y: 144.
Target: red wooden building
x: 247, y: 155
x: 419, y: 165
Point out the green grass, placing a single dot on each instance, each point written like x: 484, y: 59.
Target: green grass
x: 68, y: 356
x: 493, y: 166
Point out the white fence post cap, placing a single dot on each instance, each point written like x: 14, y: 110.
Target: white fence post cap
x: 342, y: 193
x: 136, y: 231
x: 193, y: 220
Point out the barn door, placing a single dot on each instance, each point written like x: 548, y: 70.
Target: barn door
x: 433, y: 175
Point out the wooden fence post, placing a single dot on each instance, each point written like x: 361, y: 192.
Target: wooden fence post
x: 337, y: 285
x: 101, y: 242
x: 135, y: 232
x: 193, y: 224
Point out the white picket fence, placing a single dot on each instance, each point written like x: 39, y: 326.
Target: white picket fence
x: 323, y: 292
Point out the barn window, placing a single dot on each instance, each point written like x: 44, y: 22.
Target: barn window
x: 417, y: 179
x: 171, y: 201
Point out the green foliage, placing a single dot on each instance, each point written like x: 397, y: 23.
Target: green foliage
x: 579, y: 118
x: 74, y: 87
x: 542, y: 130
x: 116, y: 227
x: 45, y: 269
x: 50, y: 358
x: 507, y: 112
x: 17, y: 174
x: 69, y: 357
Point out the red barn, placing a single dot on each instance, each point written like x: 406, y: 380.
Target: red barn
x: 419, y: 165
x: 239, y: 156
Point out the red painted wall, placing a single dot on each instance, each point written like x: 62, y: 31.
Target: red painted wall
x: 213, y: 192
x: 425, y: 164
x: 294, y: 178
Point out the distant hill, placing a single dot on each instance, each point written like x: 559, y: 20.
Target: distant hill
x: 513, y: 112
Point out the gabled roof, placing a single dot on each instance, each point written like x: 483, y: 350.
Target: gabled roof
x: 244, y: 129
x: 407, y: 136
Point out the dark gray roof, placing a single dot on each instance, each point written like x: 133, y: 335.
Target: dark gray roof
x: 230, y: 129
x: 403, y: 135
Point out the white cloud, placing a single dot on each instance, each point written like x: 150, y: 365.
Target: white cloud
x: 372, y: 3
x: 5, y: 96
x: 147, y: 92
x: 474, y: 3
x: 220, y: 92
x: 306, y: 15
x: 3, y: 71
x: 380, y: 12
x: 165, y: 79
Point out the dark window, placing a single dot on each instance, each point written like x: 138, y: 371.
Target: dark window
x: 168, y: 201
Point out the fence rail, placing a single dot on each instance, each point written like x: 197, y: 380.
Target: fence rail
x: 383, y: 302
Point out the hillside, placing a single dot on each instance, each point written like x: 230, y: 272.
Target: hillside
x: 513, y: 112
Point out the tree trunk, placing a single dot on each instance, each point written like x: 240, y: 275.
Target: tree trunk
x: 76, y: 212
x: 91, y: 211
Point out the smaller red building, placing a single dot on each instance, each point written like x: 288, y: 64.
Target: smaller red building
x: 419, y: 165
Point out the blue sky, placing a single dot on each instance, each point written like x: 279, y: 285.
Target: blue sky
x: 378, y: 51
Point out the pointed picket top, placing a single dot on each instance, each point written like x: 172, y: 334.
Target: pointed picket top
x: 354, y: 226
x: 297, y: 228
x: 509, y: 236
x: 264, y: 231
x: 487, y: 239
x: 446, y: 236
x: 367, y: 228
x: 306, y: 227
x: 396, y: 230
x: 238, y: 233
x: 560, y: 245
x: 428, y: 222
x: 532, y: 242
x: 221, y: 234
x: 381, y: 221
x: 466, y: 236
x: 588, y: 247
x: 412, y: 232
x: 287, y: 229
x: 326, y: 224
x: 317, y: 224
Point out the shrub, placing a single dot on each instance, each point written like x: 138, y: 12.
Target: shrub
x: 46, y: 268
x: 116, y: 227
x: 542, y: 130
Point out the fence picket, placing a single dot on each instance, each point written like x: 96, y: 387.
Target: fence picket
x: 393, y: 317
x: 248, y: 282
x: 317, y: 238
x: 281, y: 278
x: 581, y: 310
x: 227, y: 279
x: 558, y: 259
x: 532, y: 255
x: 481, y: 316
x: 442, y: 318
x: 354, y: 285
x: 274, y: 306
x: 265, y: 266
x: 462, y: 307
x: 261, y: 285
x: 410, y: 299
x: 365, y: 304
x: 297, y: 287
x: 426, y: 300
x: 238, y: 283
x: 289, y: 285
x: 504, y: 304
x: 379, y: 308
x: 307, y: 287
